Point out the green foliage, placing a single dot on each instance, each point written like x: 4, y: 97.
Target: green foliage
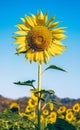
x: 13, y: 121
x: 43, y: 91
x: 26, y: 83
x: 54, y: 67
x: 60, y: 124
x: 78, y: 127
x: 76, y: 124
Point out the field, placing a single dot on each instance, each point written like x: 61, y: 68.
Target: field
x: 60, y: 115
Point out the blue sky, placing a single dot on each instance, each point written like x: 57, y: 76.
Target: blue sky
x: 14, y: 68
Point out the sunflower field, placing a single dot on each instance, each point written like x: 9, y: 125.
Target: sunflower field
x: 51, y: 117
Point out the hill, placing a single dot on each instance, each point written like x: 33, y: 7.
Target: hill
x: 5, y: 102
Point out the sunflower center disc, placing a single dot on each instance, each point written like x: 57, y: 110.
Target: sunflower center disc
x: 39, y: 38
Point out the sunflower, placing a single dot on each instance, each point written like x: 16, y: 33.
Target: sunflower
x: 53, y: 116
x: 32, y: 103
x: 51, y: 106
x: 38, y: 38
x: 69, y: 116
x: 45, y: 112
x: 34, y: 94
x: 76, y: 107
x: 61, y: 110
x: 68, y: 110
x: 14, y: 107
x: 28, y: 109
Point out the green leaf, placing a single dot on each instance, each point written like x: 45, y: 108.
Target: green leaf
x: 54, y: 67
x: 51, y: 127
x: 52, y: 101
x: 45, y: 91
x: 26, y: 83
x: 47, y: 100
x: 62, y: 124
x: 56, y: 102
x: 10, y: 121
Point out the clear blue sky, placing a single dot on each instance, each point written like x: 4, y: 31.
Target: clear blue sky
x: 14, y: 68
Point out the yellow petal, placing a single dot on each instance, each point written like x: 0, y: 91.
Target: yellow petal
x: 20, y: 46
x: 46, y: 54
x: 41, y: 16
x: 51, y: 52
x: 20, y: 39
x: 21, y: 32
x: 45, y: 60
x: 35, y: 56
x: 59, y: 47
x: 53, y: 25
x: 28, y: 54
x: 23, y: 20
x: 29, y: 21
x: 46, y: 17
x: 25, y: 45
x: 56, y: 42
x: 40, y: 57
x: 31, y: 57
x: 23, y: 27
x: 34, y: 19
x: 57, y: 31
x: 57, y: 50
x: 59, y: 36
x: 19, y: 50
x: 50, y: 21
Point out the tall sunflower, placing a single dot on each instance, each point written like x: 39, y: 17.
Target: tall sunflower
x: 38, y: 38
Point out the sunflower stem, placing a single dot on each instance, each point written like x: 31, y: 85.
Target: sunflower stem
x: 39, y: 102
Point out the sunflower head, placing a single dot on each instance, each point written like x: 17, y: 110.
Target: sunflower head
x: 68, y: 110
x: 45, y: 112
x: 38, y: 38
x: 69, y: 116
x: 28, y: 109
x: 53, y: 116
x: 51, y: 106
x: 61, y: 109
x: 32, y: 103
x: 14, y: 107
x: 76, y: 107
